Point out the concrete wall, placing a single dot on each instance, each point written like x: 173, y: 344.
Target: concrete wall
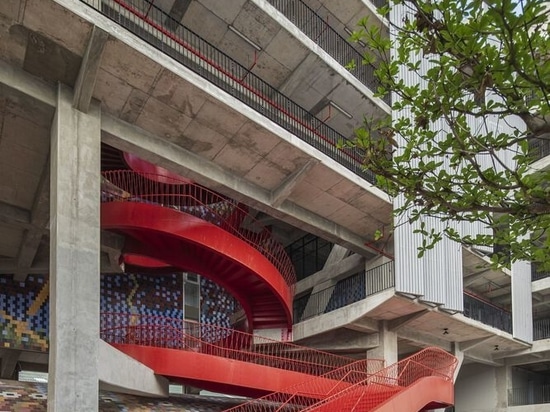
x: 480, y: 388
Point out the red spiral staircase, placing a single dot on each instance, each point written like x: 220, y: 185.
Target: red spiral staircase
x: 176, y: 225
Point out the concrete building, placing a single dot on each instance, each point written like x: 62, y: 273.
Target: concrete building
x: 245, y: 100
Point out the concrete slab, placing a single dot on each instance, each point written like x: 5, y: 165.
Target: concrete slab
x: 256, y: 25
x: 267, y: 175
x: 287, y: 50
x: 10, y: 9
x: 271, y: 70
x: 199, y: 19
x: 13, y: 41
x: 172, y: 91
x: 228, y: 12
x: 220, y: 118
x: 10, y: 240
x: 202, y: 140
x: 72, y: 35
x: 125, y: 63
x: 162, y: 120
x: 105, y: 86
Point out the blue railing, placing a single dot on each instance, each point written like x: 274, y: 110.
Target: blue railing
x: 487, y: 313
x: 537, y: 274
x: 320, y: 31
x: 541, y: 329
x: 539, y: 148
x: 161, y: 31
x: 529, y: 395
x: 347, y: 291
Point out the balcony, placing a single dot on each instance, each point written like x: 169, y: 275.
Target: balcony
x: 364, y: 284
x: 318, y: 30
x: 539, y: 148
x: 537, y: 274
x: 347, y: 291
x: 487, y: 313
x: 533, y: 395
x: 541, y: 329
x: 161, y: 31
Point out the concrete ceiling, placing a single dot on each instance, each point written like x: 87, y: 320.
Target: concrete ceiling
x: 156, y: 100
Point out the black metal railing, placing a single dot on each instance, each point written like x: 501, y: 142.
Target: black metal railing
x: 487, y: 313
x: 541, y: 329
x: 347, y: 291
x: 537, y: 274
x: 158, y: 29
x: 320, y: 31
x: 529, y: 395
x: 539, y: 148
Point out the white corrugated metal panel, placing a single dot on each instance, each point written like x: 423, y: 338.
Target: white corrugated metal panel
x: 522, y: 308
x: 409, y: 277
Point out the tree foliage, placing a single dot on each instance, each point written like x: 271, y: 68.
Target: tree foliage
x: 470, y: 86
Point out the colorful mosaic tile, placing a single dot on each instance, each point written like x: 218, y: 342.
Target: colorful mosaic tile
x: 32, y: 397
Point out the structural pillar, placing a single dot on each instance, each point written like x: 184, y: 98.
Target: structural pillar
x: 74, y: 257
x: 387, y: 345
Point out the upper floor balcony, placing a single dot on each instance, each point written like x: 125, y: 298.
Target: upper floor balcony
x: 161, y: 30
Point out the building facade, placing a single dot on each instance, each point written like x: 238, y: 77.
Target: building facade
x: 231, y: 112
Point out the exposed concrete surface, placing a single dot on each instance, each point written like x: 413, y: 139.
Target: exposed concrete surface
x: 74, y: 257
x: 121, y: 373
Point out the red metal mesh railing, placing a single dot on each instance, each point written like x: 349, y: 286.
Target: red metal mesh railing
x: 129, y: 186
x: 376, y: 389
x: 356, y: 386
x: 311, y: 391
x: 172, y: 333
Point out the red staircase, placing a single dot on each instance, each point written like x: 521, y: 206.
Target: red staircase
x: 181, y: 226
x: 420, y: 382
x: 221, y: 359
x: 177, y: 225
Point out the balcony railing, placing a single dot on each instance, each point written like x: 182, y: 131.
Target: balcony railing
x: 161, y: 31
x: 537, y: 394
x: 539, y: 148
x: 347, y: 291
x: 537, y: 274
x: 319, y: 30
x: 487, y: 313
x: 541, y: 329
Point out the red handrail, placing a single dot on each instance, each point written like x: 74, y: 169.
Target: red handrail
x: 196, y: 200
x: 357, y: 385
x: 312, y: 390
x: 173, y: 333
x: 376, y: 389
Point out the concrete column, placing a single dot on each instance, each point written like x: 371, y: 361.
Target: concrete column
x: 503, y: 376
x: 387, y: 345
x: 74, y: 257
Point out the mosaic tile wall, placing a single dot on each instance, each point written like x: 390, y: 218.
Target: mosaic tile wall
x: 159, y: 295
x: 24, y: 313
x: 24, y: 306
x: 32, y: 397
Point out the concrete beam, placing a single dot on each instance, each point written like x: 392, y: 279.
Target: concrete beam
x: 27, y: 84
x: 424, y: 339
x: 363, y: 325
x: 15, y: 216
x: 473, y: 343
x: 121, y: 373
x: 130, y: 138
x: 470, y: 279
x: 91, y: 62
x: 342, y: 340
x: 39, y: 220
x: 395, y: 324
x: 336, y: 255
x: 74, y: 257
x: 8, y: 363
x: 338, y: 270
x: 483, y: 360
x: 280, y: 194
